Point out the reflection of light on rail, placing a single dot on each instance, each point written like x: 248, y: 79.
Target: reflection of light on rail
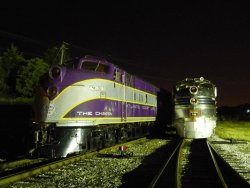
x: 74, y: 143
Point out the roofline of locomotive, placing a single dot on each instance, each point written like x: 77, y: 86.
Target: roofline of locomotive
x: 109, y: 63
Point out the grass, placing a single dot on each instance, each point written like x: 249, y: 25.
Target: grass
x: 13, y: 101
x: 233, y: 129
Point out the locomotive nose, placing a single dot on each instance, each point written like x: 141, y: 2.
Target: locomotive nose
x: 55, y: 72
x: 193, y: 90
x: 40, y: 105
x: 52, y: 92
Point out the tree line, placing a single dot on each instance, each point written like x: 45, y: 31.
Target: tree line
x: 19, y: 76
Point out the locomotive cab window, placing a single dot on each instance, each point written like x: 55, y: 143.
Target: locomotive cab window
x: 94, y: 66
x: 182, y: 92
x: 207, y: 90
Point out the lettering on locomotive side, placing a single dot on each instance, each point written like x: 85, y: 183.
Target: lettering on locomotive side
x: 103, y: 113
x: 134, y: 106
x: 89, y: 113
x: 84, y: 113
x: 145, y: 107
x: 96, y: 88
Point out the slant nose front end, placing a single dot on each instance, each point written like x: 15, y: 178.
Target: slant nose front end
x: 56, y: 76
x: 46, y: 93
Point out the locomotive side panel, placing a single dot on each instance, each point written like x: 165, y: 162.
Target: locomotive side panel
x: 88, y: 102
x: 98, y: 101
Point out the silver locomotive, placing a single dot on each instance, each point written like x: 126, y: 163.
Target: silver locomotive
x: 195, y: 108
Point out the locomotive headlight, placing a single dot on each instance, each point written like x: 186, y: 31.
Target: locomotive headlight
x: 55, y: 72
x: 193, y: 100
x: 193, y: 90
x: 52, y: 91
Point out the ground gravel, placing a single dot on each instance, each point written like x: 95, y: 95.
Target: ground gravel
x: 102, y: 171
x: 107, y: 171
x: 236, y: 153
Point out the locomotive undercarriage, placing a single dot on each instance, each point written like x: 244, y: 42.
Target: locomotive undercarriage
x: 55, y: 142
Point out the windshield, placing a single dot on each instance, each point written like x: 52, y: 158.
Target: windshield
x: 94, y: 66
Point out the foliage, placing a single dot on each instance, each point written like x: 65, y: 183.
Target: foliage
x: 14, y: 101
x: 19, y: 76
x: 53, y: 56
x: 233, y: 129
x: 28, y: 76
x: 3, y: 85
x: 9, y: 64
x: 236, y: 113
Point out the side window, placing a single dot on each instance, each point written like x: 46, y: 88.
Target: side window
x: 94, y: 66
x: 90, y: 66
x: 102, y: 68
x: 140, y: 98
x: 130, y: 80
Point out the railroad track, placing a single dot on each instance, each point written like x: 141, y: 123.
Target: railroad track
x: 236, y: 154
x: 18, y: 163
x: 194, y: 163
x: 13, y: 167
x: 142, y: 176
x: 25, y: 172
x: 28, y: 168
x: 188, y: 165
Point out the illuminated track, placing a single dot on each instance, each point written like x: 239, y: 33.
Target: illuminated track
x: 166, y: 176
x: 235, y: 153
x: 180, y: 163
x: 201, y: 166
x: 43, y: 167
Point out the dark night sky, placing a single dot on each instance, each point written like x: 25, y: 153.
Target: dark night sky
x: 164, y: 43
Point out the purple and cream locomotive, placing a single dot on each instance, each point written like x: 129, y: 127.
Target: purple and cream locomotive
x: 89, y: 106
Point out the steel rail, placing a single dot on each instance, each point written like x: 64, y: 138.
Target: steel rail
x: 223, y: 183
x: 159, y: 174
x: 56, y: 164
x: 229, y: 171
x: 41, y: 169
x: 178, y: 166
x: 17, y: 163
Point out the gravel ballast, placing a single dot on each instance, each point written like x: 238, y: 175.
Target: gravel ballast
x: 108, y: 170
x: 236, y: 153
x: 95, y: 172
